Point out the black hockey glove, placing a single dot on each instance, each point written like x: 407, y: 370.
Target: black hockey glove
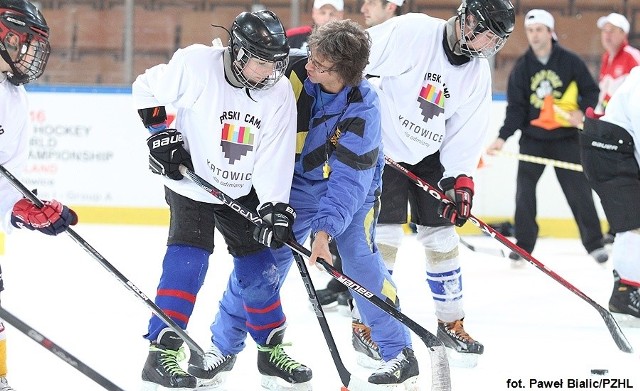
x: 460, y: 191
x: 167, y: 153
x: 277, y: 224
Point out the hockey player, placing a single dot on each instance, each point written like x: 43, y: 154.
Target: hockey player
x: 335, y: 189
x: 24, y: 51
x: 235, y: 127
x: 435, y: 92
x: 611, y: 158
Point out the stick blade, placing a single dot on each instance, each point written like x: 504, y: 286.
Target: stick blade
x: 614, y: 329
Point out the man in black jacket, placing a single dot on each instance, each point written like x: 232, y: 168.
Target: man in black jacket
x: 549, y: 88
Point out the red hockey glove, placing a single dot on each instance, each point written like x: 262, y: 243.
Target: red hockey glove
x: 167, y: 153
x: 277, y: 224
x: 460, y: 191
x: 52, y: 219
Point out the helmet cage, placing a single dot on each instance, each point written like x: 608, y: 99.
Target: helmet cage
x: 241, y: 61
x: 23, y: 46
x: 481, y: 36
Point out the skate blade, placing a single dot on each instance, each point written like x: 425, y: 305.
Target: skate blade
x: 367, y: 362
x: 462, y: 360
x: 149, y: 386
x: 275, y: 383
x: 626, y: 320
x: 411, y: 384
x: 217, y: 383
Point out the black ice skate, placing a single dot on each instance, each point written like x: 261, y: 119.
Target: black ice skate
x: 463, y: 351
x: 212, y: 368
x: 279, y: 371
x: 161, y: 370
x: 367, y: 353
x: 403, y: 369
x: 625, y: 302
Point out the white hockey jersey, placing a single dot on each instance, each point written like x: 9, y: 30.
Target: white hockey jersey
x: 428, y: 104
x: 237, y: 139
x: 15, y: 130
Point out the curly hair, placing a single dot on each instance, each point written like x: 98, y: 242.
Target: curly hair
x: 345, y: 44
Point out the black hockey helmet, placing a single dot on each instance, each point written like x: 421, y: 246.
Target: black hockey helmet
x: 493, y: 18
x: 24, y: 40
x: 258, y: 35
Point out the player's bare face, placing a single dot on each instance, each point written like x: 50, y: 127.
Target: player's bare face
x: 375, y: 12
x: 257, y: 70
x: 325, y: 14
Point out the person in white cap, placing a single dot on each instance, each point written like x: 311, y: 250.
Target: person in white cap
x: 618, y: 58
x: 548, y: 90
x: 323, y: 12
x: 379, y: 11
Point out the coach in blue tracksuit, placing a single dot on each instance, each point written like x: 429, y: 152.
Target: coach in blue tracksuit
x: 336, y: 188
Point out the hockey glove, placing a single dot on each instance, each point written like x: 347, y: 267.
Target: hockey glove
x: 277, y: 224
x: 460, y: 191
x: 167, y: 153
x: 52, y: 219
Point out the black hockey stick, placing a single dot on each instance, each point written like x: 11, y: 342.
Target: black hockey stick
x: 615, y: 331
x: 57, y: 350
x: 498, y: 252
x: 441, y: 376
x: 102, y: 260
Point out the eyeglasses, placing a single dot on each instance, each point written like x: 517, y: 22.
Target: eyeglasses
x: 319, y: 68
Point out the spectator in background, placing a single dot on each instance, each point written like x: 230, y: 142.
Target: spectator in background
x: 323, y: 12
x: 618, y: 58
x: 610, y: 157
x: 379, y: 11
x: 548, y: 88
x: 24, y: 52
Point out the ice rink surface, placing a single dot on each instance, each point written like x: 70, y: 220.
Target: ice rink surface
x: 532, y: 327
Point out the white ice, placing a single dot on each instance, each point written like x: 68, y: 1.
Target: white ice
x: 532, y: 327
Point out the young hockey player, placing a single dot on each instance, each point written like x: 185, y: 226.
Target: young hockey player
x: 24, y: 51
x: 235, y: 127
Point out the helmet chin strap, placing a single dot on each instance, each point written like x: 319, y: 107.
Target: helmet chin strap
x: 228, y: 70
x: 452, y: 36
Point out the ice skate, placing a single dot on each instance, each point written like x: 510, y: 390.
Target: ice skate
x: 463, y: 351
x: 162, y: 370
x: 211, y: 370
x: 625, y: 303
x: 4, y: 385
x: 279, y: 371
x: 398, y: 373
x: 367, y: 353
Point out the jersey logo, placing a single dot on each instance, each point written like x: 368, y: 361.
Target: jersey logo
x: 431, y: 100
x: 236, y: 141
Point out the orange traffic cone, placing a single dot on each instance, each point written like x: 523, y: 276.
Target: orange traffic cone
x: 547, y: 118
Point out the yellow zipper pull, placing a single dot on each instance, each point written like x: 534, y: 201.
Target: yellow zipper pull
x: 326, y: 170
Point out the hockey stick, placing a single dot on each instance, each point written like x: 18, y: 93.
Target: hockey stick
x: 541, y: 160
x: 102, y: 260
x: 614, y: 329
x: 498, y: 252
x: 441, y: 377
x: 58, y: 351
